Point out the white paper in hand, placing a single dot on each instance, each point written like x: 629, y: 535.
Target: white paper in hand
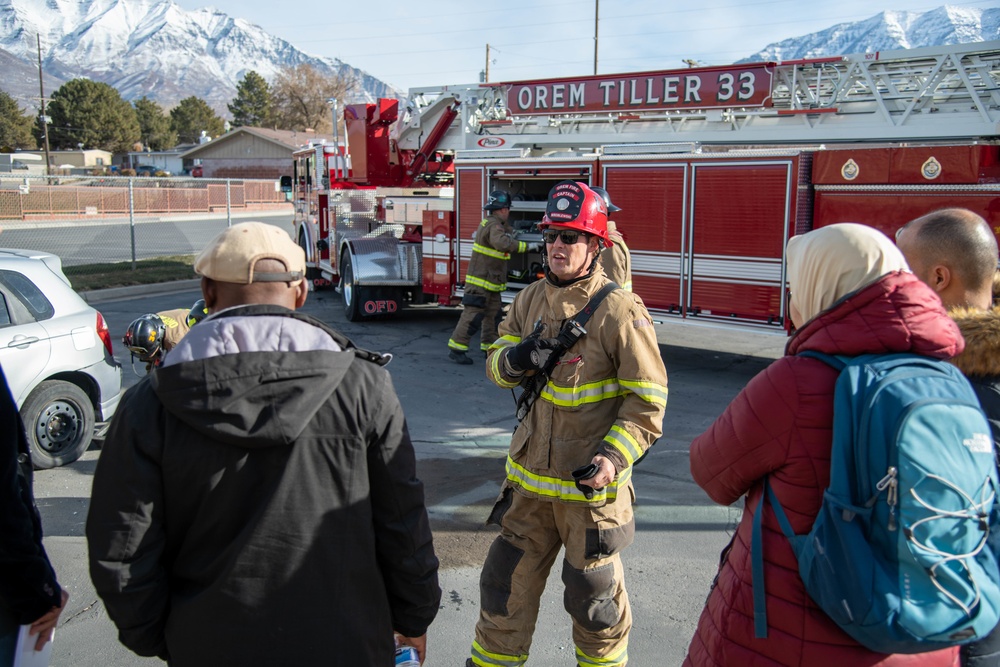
x: 26, y: 655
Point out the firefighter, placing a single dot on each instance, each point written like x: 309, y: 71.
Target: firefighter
x: 615, y: 258
x: 569, y: 467
x: 152, y: 335
x: 486, y: 278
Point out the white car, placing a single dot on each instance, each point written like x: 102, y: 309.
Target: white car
x: 56, y: 353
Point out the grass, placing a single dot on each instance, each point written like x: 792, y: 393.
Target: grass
x: 87, y: 277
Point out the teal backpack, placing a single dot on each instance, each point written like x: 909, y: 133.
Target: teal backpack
x: 900, y: 555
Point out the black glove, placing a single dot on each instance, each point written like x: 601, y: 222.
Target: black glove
x: 531, y: 354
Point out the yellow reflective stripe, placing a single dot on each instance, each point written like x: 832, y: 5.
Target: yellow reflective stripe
x: 616, y: 659
x: 506, y: 341
x: 484, y: 658
x: 627, y: 286
x: 522, y: 246
x: 495, y: 362
x: 651, y: 392
x: 561, y: 489
x: 489, y: 252
x: 593, y: 392
x: 485, y: 284
x: 623, y: 441
x: 457, y: 346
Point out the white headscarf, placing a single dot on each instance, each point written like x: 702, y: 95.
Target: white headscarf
x: 828, y: 263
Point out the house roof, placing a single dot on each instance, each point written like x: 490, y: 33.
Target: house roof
x: 289, y: 139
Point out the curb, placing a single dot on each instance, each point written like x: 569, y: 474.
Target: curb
x: 115, y: 293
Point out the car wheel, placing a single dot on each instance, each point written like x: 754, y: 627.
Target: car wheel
x: 351, y: 293
x: 59, y: 420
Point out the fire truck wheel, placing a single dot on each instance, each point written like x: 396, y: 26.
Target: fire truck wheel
x: 312, y: 272
x: 353, y: 295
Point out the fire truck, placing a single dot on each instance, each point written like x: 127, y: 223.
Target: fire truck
x: 714, y: 169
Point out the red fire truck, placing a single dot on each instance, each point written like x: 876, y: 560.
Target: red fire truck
x: 714, y: 169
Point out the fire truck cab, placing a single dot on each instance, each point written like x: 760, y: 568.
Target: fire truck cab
x: 714, y: 169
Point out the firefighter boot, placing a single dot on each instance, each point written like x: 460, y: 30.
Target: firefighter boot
x: 459, y: 357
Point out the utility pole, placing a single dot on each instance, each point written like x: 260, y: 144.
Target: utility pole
x: 487, y: 74
x: 597, y: 13
x: 41, y: 100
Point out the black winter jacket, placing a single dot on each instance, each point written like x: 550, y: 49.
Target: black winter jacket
x: 256, y: 503
x: 28, y: 586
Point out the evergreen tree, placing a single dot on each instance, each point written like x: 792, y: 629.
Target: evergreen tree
x: 191, y: 117
x: 300, y: 97
x: 154, y: 125
x: 90, y: 113
x: 15, y: 126
x: 252, y: 104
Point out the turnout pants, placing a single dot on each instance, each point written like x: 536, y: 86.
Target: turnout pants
x: 532, y: 533
x: 480, y: 311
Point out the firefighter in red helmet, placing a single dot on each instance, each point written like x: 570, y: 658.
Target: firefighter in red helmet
x: 486, y: 278
x: 594, y: 391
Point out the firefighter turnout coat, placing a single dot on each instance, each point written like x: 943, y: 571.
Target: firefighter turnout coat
x: 491, y: 248
x: 606, y: 395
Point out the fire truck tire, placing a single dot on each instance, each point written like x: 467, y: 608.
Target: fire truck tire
x: 352, y: 294
x: 312, y: 272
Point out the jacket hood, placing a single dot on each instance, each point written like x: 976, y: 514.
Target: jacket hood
x: 981, y: 330
x: 896, y: 313
x: 252, y: 381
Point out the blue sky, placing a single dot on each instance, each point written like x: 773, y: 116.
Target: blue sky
x: 440, y: 42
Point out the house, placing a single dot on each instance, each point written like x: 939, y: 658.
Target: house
x: 169, y: 161
x: 250, y: 152
x: 78, y: 162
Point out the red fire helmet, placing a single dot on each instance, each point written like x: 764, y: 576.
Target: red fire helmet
x: 575, y: 206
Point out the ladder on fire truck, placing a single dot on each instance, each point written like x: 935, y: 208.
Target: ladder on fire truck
x: 930, y: 94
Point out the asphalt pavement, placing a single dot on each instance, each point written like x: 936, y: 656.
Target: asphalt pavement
x: 460, y: 424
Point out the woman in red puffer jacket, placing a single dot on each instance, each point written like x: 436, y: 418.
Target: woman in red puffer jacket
x: 851, y: 294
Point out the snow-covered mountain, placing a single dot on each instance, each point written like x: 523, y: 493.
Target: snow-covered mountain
x: 150, y: 47
x: 155, y: 48
x: 889, y: 31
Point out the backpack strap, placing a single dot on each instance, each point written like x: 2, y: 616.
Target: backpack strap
x: 757, y: 554
x: 837, y: 362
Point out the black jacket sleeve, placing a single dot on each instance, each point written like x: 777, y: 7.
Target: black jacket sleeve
x: 405, y: 551
x: 28, y: 586
x: 125, y: 530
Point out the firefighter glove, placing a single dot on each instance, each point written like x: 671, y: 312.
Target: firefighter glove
x: 534, y: 247
x: 531, y: 354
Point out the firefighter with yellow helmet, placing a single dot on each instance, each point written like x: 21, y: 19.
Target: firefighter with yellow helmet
x: 594, y: 392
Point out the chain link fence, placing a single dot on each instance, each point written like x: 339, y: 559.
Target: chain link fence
x: 114, y: 219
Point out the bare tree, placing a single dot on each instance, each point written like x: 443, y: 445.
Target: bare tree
x: 300, y: 96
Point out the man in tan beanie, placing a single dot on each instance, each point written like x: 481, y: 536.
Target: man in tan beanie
x: 256, y: 501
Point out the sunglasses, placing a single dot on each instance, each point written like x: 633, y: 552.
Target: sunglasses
x: 567, y: 236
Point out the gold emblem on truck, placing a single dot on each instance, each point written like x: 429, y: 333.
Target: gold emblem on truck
x: 850, y: 170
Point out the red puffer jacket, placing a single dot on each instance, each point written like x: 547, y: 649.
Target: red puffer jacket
x: 781, y: 425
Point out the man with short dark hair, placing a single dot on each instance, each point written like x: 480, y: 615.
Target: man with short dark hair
x: 955, y: 252
x: 256, y: 500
